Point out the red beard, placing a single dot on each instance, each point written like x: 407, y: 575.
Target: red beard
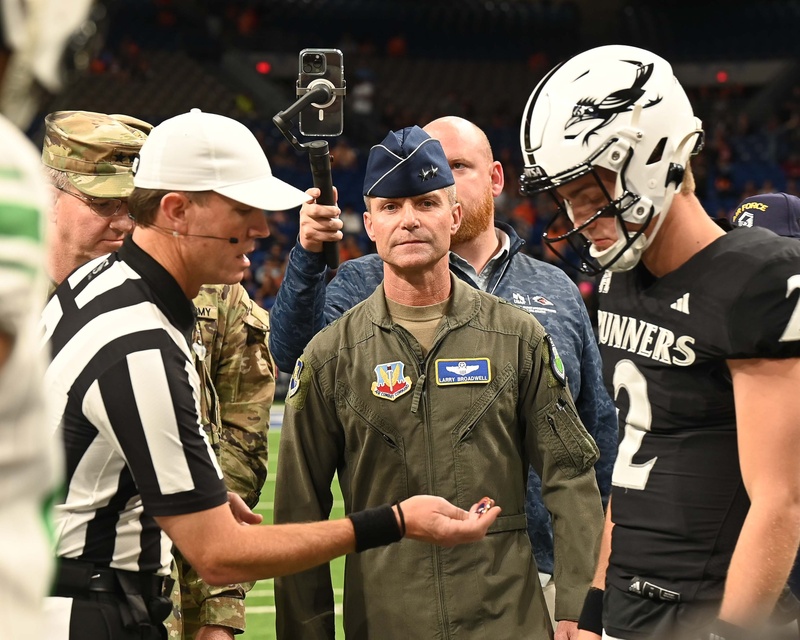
x: 475, y: 220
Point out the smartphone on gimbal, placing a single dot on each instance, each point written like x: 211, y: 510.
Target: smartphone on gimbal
x: 324, y: 66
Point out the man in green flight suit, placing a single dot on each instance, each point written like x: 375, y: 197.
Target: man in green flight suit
x: 88, y: 157
x: 431, y: 386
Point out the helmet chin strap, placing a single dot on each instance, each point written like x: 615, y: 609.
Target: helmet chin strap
x: 629, y: 256
x: 627, y: 260
x: 633, y: 254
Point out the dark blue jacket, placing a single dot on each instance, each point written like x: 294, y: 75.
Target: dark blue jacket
x: 305, y: 305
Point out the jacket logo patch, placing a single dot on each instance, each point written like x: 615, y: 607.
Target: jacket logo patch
x: 474, y: 371
x: 391, y: 382
x: 533, y: 303
x: 294, y: 383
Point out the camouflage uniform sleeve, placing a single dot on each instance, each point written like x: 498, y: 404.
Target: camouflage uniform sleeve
x: 563, y: 454
x: 243, y: 374
x: 238, y: 364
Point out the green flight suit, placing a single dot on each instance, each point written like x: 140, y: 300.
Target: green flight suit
x: 464, y: 421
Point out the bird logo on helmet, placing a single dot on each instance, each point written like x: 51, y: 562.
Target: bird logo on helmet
x: 613, y: 104
x: 619, y: 108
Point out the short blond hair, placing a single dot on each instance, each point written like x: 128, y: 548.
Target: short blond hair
x: 688, y: 185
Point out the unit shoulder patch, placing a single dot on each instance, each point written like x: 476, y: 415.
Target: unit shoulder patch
x: 556, y: 364
x: 298, y: 385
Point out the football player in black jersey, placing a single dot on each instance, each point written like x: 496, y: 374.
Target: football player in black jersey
x: 700, y: 338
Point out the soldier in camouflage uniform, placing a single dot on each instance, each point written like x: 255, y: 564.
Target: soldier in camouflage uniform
x: 89, y: 157
x: 237, y: 375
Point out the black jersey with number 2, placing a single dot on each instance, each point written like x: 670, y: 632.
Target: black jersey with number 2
x: 678, y: 497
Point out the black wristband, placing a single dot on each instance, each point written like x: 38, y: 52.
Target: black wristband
x: 375, y: 527
x: 592, y: 613
x: 402, y: 519
x: 721, y: 630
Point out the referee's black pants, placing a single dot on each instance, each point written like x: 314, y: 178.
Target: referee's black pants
x: 98, y: 617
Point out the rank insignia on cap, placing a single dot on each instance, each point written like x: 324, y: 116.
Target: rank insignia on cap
x: 556, y: 364
x: 427, y: 174
x: 463, y: 371
x: 391, y: 382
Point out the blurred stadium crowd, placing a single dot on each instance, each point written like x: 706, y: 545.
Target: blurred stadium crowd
x: 409, y: 61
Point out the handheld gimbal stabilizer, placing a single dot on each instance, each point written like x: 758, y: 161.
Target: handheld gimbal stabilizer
x: 318, y: 153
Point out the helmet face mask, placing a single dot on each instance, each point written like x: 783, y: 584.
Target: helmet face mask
x: 591, y: 260
x: 618, y: 108
x: 624, y: 208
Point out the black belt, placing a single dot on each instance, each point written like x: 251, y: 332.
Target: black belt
x: 77, y: 578
x: 142, y: 598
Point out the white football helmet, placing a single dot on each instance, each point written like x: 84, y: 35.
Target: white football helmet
x: 621, y: 108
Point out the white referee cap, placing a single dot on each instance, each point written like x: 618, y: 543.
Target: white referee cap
x: 199, y: 151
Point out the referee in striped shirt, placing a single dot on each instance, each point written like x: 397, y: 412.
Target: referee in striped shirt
x: 124, y: 397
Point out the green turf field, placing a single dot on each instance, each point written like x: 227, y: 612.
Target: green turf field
x: 261, y: 600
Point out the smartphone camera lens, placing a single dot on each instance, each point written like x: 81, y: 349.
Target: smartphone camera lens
x: 314, y: 63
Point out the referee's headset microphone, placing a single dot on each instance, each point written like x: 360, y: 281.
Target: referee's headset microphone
x: 190, y: 235
x: 197, y: 235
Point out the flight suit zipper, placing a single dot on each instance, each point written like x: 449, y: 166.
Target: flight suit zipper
x: 418, y: 399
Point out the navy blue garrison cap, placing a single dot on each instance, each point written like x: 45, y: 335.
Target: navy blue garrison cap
x: 778, y: 212
x: 407, y: 163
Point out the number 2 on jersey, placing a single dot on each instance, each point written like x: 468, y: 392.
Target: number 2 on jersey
x: 637, y: 424
x: 792, y: 331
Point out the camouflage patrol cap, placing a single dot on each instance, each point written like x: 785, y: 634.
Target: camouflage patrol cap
x: 94, y: 149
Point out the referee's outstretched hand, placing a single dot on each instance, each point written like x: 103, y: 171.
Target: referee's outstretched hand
x: 434, y: 519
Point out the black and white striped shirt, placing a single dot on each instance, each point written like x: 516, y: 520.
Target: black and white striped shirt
x: 124, y: 397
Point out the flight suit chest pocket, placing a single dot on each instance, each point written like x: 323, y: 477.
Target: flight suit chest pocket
x: 486, y: 404
x: 375, y: 452
x: 487, y: 443
x: 565, y: 437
